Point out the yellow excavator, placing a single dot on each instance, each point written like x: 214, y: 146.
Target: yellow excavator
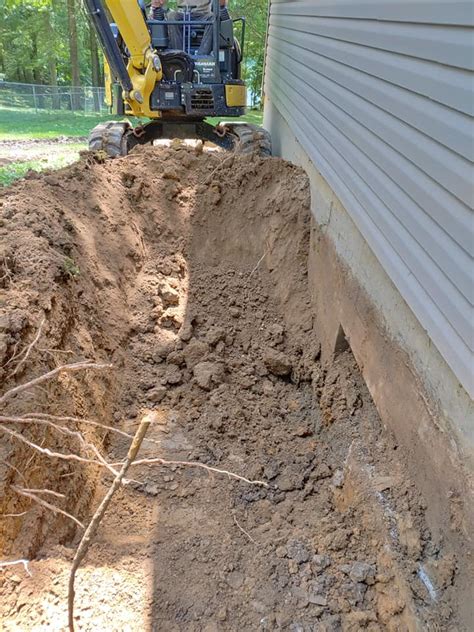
x: 158, y: 70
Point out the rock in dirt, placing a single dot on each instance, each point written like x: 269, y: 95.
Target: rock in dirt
x: 195, y: 351
x: 360, y: 572
x: 215, y: 335
x: 277, y: 362
x: 157, y: 394
x: 173, y: 375
x: 297, y: 551
x: 176, y: 357
x: 320, y: 562
x: 169, y: 295
x: 208, y: 374
x: 292, y: 478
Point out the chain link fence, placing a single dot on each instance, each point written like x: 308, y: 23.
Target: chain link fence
x: 68, y: 98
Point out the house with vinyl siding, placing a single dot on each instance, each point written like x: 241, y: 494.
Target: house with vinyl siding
x: 375, y: 100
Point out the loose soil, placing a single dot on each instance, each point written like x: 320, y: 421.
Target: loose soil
x: 188, y: 272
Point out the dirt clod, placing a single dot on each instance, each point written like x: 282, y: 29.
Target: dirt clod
x: 277, y: 362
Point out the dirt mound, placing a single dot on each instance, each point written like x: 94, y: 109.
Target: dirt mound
x: 187, y: 272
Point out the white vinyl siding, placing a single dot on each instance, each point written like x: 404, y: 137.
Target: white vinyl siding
x: 380, y: 95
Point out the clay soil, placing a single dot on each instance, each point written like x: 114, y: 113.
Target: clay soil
x: 187, y: 271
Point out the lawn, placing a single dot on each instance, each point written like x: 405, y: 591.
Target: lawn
x: 17, y: 160
x: 24, y: 125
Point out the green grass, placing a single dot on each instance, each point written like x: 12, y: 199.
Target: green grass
x: 26, y: 124
x: 46, y: 158
x: 252, y: 116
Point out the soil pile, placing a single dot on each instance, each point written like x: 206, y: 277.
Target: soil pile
x: 187, y: 271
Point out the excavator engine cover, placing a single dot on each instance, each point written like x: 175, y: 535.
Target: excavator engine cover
x: 177, y: 66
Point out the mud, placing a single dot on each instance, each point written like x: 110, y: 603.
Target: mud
x: 188, y: 272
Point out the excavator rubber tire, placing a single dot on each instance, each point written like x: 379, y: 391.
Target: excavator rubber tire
x: 250, y: 139
x: 110, y: 137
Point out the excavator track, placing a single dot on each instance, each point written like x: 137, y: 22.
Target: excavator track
x: 111, y: 138
x: 250, y: 139
x: 116, y: 139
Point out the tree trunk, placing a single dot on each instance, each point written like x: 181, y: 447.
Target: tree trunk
x: 73, y: 54
x: 52, y: 65
x: 95, y: 67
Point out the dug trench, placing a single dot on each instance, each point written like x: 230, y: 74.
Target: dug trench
x: 187, y: 272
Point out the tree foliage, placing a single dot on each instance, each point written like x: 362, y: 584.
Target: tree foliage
x: 255, y: 12
x: 50, y: 42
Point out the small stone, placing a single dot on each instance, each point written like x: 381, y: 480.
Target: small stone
x: 271, y: 470
x: 222, y: 613
x: 354, y: 592
x: 173, y: 375
x: 215, y: 335
x: 277, y: 363
x: 208, y: 374
x: 298, y: 551
x: 276, y: 333
x: 296, y: 627
x: 291, y: 479
x: 195, y: 351
x: 175, y: 357
x: 186, y: 332
x: 169, y: 295
x: 362, y: 572
x: 318, y: 600
x: 292, y: 567
x: 338, y: 479
x: 151, y: 489
x: 320, y: 562
x: 157, y: 394
x: 234, y: 312
x: 281, y: 552
x: 330, y: 624
x: 258, y: 606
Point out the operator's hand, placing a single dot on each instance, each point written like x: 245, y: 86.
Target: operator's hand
x: 156, y: 4
x: 223, y: 3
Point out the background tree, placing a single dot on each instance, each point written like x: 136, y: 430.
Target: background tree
x: 51, y: 42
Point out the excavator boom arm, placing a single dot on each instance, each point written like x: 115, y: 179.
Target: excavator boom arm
x: 139, y: 76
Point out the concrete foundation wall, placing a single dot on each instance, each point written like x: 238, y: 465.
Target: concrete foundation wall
x: 418, y: 396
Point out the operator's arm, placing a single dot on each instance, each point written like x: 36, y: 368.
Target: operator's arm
x: 157, y: 9
x: 224, y: 11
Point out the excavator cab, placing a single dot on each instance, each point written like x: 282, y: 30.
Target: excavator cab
x: 174, y: 70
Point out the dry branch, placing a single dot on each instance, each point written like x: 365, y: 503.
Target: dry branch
x: 243, y: 530
x: 65, y: 368
x: 24, y: 562
x: 26, y: 352
x: 100, y: 512
x: 47, y: 451
x: 44, y: 491
x: 44, y: 503
x: 13, y: 515
x: 88, y: 422
x: 64, y: 430
x: 216, y: 470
